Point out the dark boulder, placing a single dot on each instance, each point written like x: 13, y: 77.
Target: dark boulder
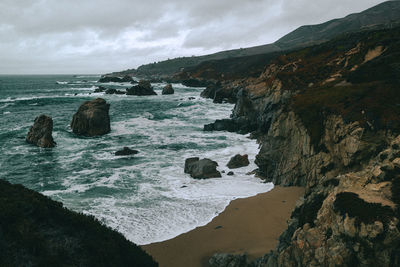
x: 113, y: 91
x: 92, y: 118
x: 40, y: 134
x: 209, y: 92
x: 221, y: 125
x: 168, y: 90
x: 230, y: 173
x: 100, y: 89
x: 238, y: 161
x: 126, y: 79
x: 201, y: 169
x: 126, y: 151
x: 143, y: 88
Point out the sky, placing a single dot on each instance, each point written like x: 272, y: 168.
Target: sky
x: 102, y: 36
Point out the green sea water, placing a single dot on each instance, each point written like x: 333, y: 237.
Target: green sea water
x: 147, y: 197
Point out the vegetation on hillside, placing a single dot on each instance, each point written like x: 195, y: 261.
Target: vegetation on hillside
x: 37, y: 231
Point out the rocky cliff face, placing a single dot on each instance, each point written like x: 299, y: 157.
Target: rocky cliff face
x: 327, y: 118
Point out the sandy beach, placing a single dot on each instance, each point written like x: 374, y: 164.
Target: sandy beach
x: 252, y: 225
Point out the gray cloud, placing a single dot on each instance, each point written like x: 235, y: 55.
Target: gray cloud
x: 97, y: 36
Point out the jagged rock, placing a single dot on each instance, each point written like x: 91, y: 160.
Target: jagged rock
x: 100, y: 89
x: 112, y: 91
x: 143, y: 88
x: 168, y: 90
x: 238, y: 161
x: 228, y: 260
x: 92, y: 118
x: 126, y: 151
x: 221, y: 125
x: 201, y: 169
x: 40, y: 134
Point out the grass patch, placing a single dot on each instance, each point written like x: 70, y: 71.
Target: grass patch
x: 364, y: 212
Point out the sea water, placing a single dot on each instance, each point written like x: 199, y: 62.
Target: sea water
x: 147, y: 197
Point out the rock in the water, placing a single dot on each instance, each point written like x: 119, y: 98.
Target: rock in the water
x: 201, y: 169
x: 40, y: 133
x: 113, y: 91
x: 126, y: 151
x: 238, y: 161
x: 100, y: 89
x: 92, y: 118
x: 143, y: 88
x: 168, y: 90
x: 230, y: 173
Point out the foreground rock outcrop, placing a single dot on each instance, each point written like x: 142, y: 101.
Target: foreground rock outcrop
x: 92, y: 118
x: 37, y: 231
x: 201, y: 169
x: 40, y: 134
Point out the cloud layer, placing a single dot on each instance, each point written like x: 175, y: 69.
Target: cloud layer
x: 98, y: 36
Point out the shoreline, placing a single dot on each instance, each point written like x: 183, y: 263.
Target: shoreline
x: 249, y: 225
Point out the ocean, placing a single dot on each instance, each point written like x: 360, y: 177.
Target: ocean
x: 146, y: 197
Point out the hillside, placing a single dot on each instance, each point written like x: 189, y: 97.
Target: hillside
x: 37, y: 231
x: 327, y: 117
x: 385, y: 15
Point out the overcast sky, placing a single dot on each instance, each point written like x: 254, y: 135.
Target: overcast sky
x: 100, y: 36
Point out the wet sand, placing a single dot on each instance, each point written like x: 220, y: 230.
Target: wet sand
x: 251, y: 225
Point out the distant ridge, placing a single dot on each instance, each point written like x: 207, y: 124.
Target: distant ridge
x: 384, y: 15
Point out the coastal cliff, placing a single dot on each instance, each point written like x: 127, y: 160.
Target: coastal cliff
x: 327, y: 117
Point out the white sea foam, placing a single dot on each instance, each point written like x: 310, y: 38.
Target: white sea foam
x: 61, y: 82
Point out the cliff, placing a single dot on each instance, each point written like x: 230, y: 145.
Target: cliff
x: 37, y: 231
x: 327, y: 117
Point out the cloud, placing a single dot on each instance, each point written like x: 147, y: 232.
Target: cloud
x: 97, y: 36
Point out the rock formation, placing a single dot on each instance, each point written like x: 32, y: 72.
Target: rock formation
x: 40, y: 134
x: 92, y: 118
x: 126, y: 151
x: 168, y: 90
x: 143, y: 88
x: 201, y: 169
x: 327, y: 118
x: 238, y: 161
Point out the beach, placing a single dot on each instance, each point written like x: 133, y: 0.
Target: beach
x: 251, y: 225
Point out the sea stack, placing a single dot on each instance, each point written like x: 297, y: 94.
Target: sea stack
x: 92, y: 118
x: 168, y: 90
x: 143, y: 88
x: 40, y: 134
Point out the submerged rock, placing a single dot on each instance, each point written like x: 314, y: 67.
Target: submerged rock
x: 168, y: 90
x: 40, y: 134
x: 143, y: 88
x: 100, y: 89
x: 201, y: 169
x: 92, y: 118
x: 113, y: 91
x: 238, y: 161
x: 126, y: 151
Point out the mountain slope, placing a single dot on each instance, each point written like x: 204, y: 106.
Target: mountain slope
x: 37, y: 231
x: 385, y: 15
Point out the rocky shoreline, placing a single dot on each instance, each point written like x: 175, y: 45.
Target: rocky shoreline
x: 325, y: 122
